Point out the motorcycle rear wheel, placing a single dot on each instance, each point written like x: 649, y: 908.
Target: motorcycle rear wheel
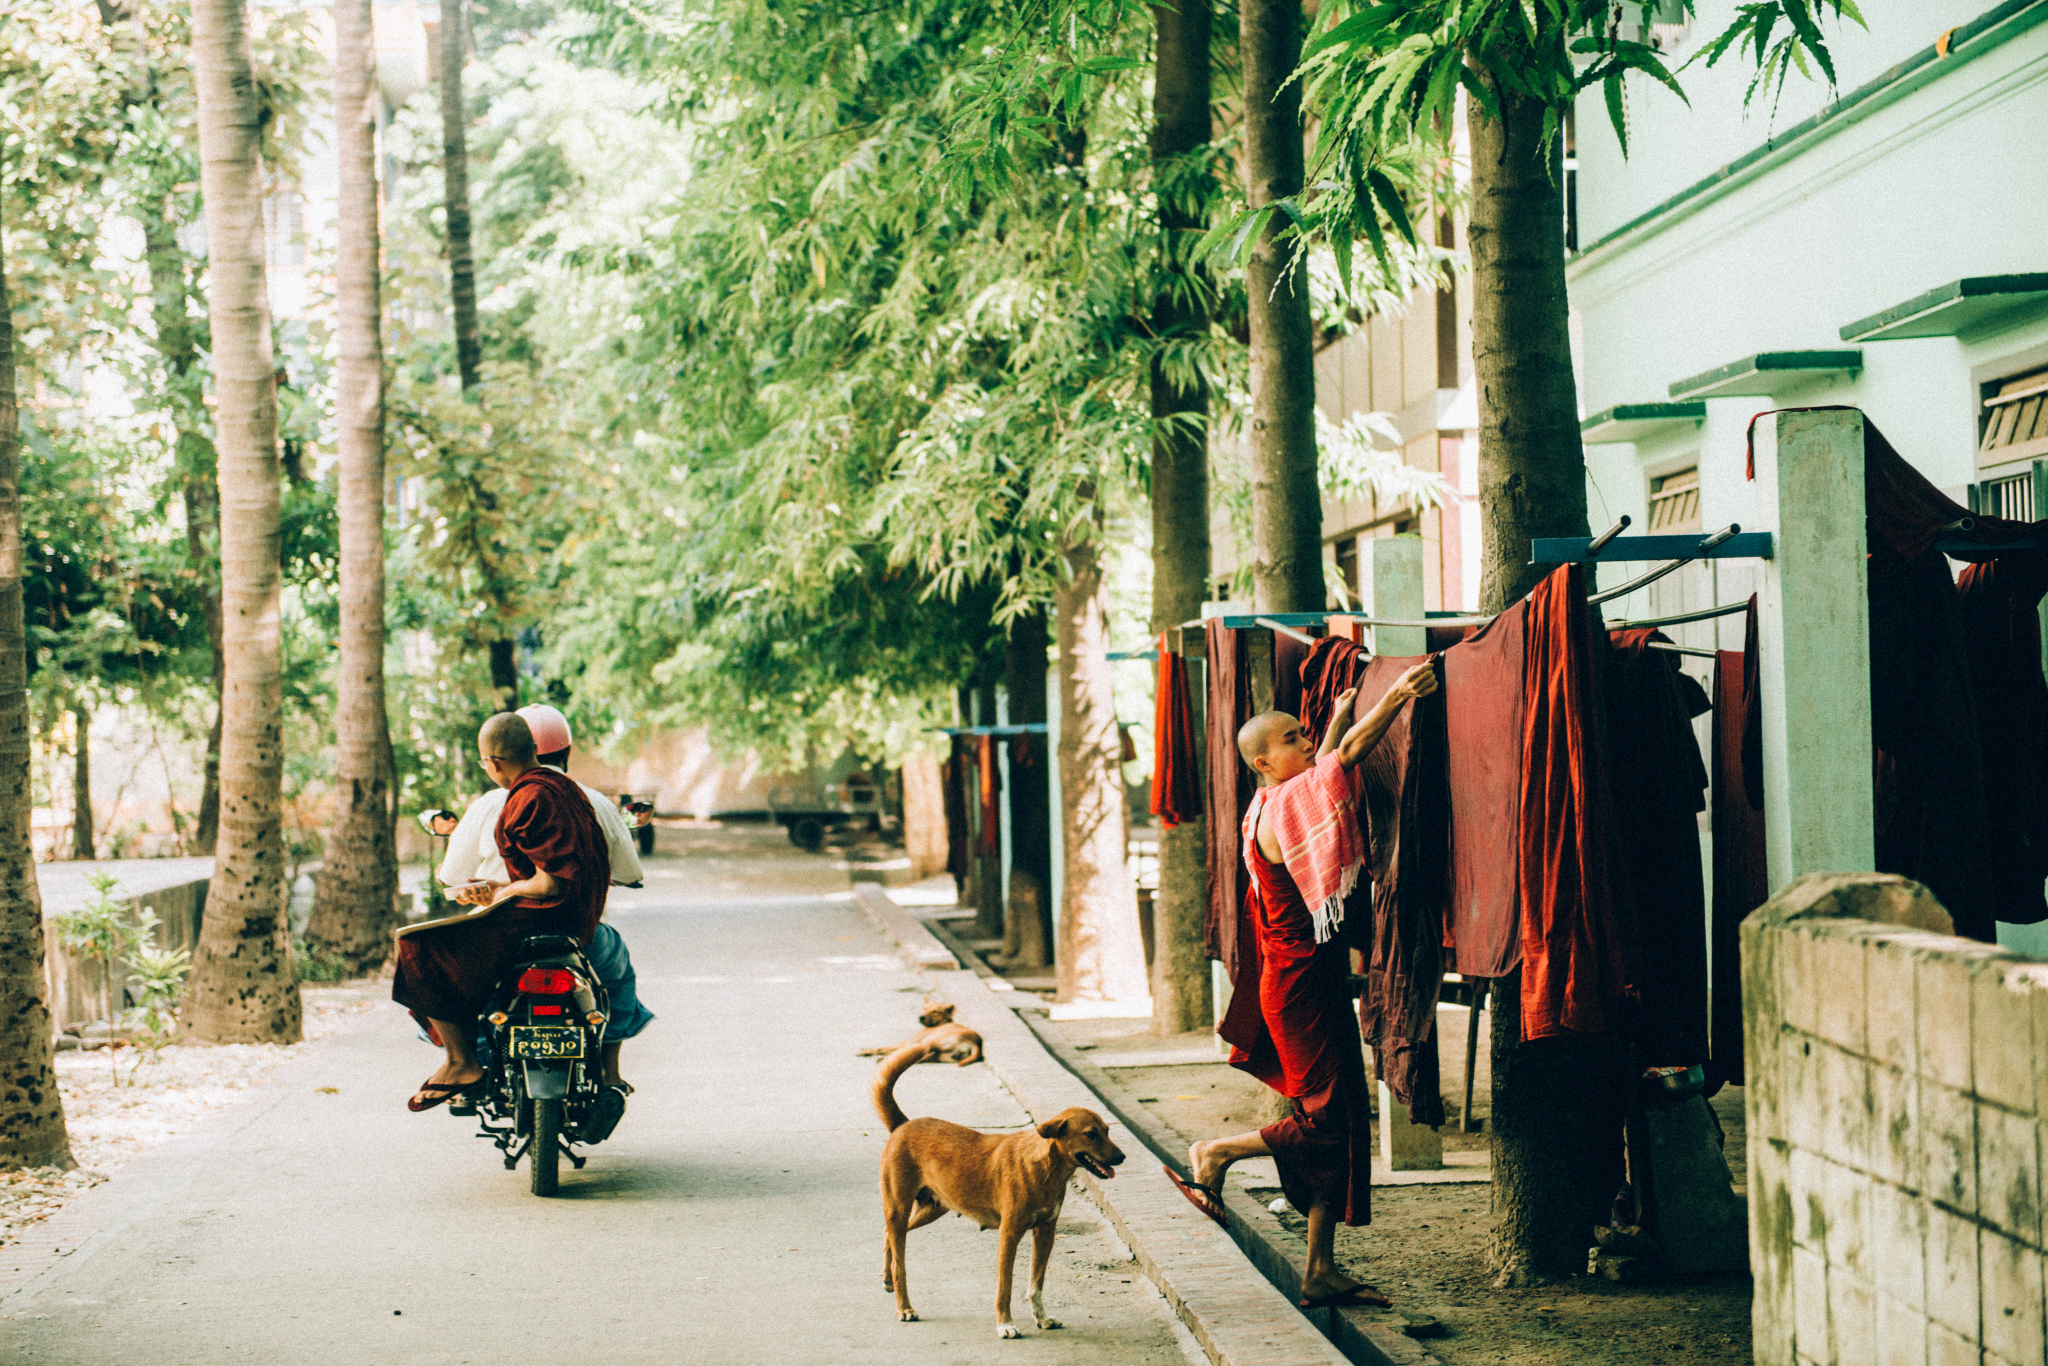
x: 546, y: 1148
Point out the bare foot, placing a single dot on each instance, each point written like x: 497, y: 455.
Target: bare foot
x: 1206, y: 1167
x: 451, y: 1074
x: 1335, y: 1284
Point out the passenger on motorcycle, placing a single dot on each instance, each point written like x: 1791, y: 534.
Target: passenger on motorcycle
x: 472, y: 854
x: 555, y: 856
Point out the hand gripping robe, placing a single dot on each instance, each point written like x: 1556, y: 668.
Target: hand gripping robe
x: 1290, y: 1022
x: 448, y: 973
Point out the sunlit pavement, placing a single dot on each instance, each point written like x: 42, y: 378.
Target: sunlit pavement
x: 733, y: 1218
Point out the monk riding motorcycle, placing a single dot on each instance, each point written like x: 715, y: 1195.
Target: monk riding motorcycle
x: 543, y: 1087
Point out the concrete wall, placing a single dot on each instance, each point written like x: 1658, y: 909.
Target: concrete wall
x: 1898, y: 1077
x: 77, y: 989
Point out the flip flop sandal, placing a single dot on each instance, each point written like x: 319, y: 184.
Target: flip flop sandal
x: 436, y: 1093
x: 1204, y: 1198
x: 1357, y: 1297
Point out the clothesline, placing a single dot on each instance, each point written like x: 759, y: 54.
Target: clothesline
x: 1033, y: 728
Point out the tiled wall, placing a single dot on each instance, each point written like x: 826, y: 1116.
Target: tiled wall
x: 1897, y: 1081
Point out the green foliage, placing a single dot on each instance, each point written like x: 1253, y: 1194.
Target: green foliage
x: 312, y: 964
x: 157, y: 979
x: 103, y: 932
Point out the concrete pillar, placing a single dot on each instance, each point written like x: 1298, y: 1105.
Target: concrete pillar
x: 1814, y: 629
x: 1390, y: 585
x: 1406, y: 1146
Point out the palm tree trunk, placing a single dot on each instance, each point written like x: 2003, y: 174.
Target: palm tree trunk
x: 1101, y: 952
x: 455, y: 191
x: 1547, y: 1124
x: 1287, y: 504
x: 177, y: 343
x: 81, y: 783
x: 31, y: 1111
x: 355, y: 905
x: 241, y: 988
x: 1180, y: 487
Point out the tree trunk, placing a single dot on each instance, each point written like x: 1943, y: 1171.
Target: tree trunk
x: 505, y: 673
x: 1287, y: 502
x: 177, y: 342
x: 455, y: 190
x: 1180, y: 489
x: 1532, y: 465
x: 1101, y: 953
x: 81, y: 783
x: 31, y: 1111
x: 1027, y: 928
x: 355, y: 906
x: 241, y: 988
x: 1548, y: 1130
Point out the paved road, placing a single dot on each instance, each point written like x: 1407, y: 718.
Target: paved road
x: 733, y: 1219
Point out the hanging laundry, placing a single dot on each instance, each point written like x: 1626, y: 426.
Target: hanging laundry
x: 1741, y: 883
x: 1228, y: 790
x: 1572, y: 889
x: 1404, y: 794
x: 1288, y: 657
x: 1659, y: 790
x: 1176, y: 784
x: 989, y: 835
x: 959, y: 841
x: 1932, y: 824
x: 1331, y: 667
x: 1484, y: 696
x: 2001, y: 602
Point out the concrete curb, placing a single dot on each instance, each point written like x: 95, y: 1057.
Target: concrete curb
x: 1235, y: 1312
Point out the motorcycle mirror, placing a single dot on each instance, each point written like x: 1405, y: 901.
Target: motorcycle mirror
x: 429, y: 820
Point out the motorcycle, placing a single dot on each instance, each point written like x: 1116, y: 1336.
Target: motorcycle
x: 543, y: 1088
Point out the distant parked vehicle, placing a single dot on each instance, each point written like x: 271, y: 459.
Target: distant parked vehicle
x: 807, y: 811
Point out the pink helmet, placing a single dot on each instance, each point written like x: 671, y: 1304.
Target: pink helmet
x: 550, y: 728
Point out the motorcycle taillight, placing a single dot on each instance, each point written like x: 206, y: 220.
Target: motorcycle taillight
x: 547, y: 981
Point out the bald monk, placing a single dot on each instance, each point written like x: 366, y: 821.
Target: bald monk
x: 1290, y: 1022
x: 555, y: 853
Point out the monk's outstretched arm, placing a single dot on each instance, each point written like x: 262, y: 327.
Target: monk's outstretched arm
x: 1359, y: 740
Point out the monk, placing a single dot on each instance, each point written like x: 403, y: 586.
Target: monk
x: 555, y: 853
x: 1296, y: 1032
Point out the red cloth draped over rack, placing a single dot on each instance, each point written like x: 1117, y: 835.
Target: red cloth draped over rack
x: 1404, y: 796
x: 1327, y: 670
x: 1228, y: 790
x: 1572, y: 891
x: 959, y: 840
x: 1741, y: 883
x: 2001, y: 603
x: 1484, y: 700
x: 1176, y: 782
x: 1659, y: 790
x: 989, y: 838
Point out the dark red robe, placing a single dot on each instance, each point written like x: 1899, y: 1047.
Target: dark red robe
x: 1290, y: 1025
x: 1228, y: 793
x: 449, y: 973
x: 1741, y: 882
x: 1176, y: 778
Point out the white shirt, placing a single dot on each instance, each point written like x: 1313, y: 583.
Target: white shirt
x: 473, y: 848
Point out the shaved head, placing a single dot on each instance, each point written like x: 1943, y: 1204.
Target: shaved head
x: 1258, y: 734
x: 506, y: 736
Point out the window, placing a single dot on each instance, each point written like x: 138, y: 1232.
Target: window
x: 2015, y: 419
x: 2012, y: 496
x: 1675, y: 502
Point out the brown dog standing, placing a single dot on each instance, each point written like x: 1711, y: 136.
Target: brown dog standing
x: 1007, y: 1182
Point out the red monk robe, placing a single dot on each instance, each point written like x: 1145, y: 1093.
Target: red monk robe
x: 547, y: 825
x: 1290, y: 1025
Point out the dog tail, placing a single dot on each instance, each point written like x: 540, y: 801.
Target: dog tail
x: 884, y: 1091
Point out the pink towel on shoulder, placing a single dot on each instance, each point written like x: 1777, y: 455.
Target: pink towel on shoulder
x: 1314, y: 818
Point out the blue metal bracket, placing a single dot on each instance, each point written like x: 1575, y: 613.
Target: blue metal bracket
x: 1746, y: 545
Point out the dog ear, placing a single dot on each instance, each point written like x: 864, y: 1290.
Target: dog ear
x: 1055, y: 1127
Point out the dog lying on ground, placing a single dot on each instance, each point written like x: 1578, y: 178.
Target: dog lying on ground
x: 1007, y: 1182
x: 948, y: 1042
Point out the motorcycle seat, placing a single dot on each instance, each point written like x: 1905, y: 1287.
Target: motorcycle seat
x: 547, y: 946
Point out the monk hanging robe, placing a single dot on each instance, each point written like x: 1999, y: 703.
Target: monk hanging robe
x: 1290, y: 1025
x: 451, y: 973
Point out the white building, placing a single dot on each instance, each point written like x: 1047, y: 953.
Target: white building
x: 1882, y: 245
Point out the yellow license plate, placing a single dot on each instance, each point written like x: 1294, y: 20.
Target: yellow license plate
x: 546, y: 1041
